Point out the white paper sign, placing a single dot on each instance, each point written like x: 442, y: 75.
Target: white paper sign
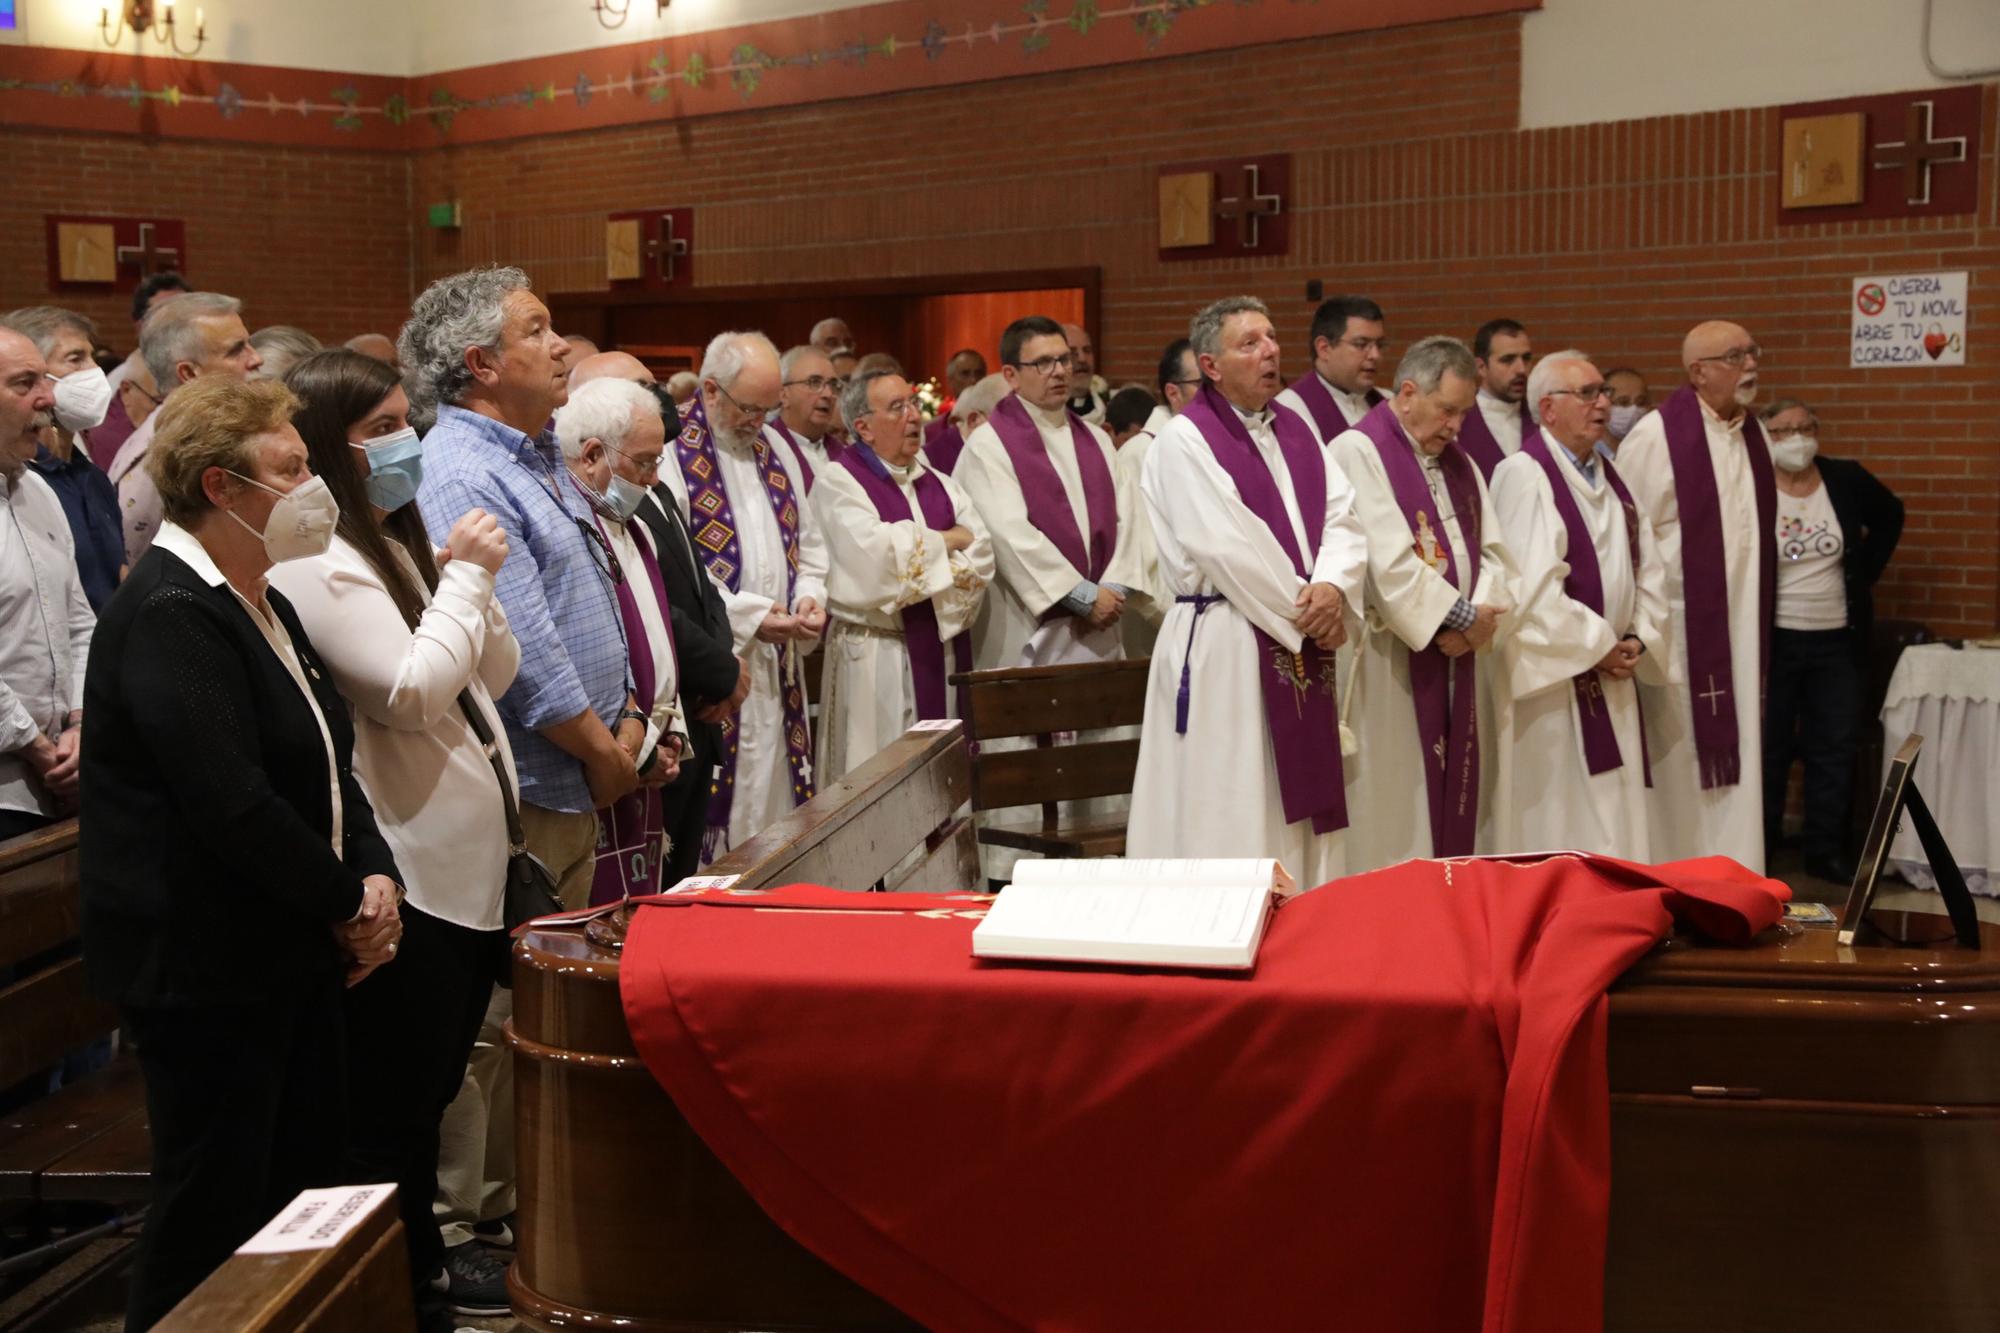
x: 699, y: 883
x: 1909, y: 319
x: 317, y: 1219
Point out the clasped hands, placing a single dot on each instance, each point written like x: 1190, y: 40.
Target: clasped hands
x: 57, y: 763
x: 1623, y: 659
x: 1457, y: 643
x: 1321, y: 615
x: 804, y: 623
x: 371, y: 936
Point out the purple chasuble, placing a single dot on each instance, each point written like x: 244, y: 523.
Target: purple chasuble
x: 921, y: 640
x: 1048, y: 503
x: 1705, y: 580
x: 1326, y: 413
x: 713, y: 524
x: 1585, y: 583
x: 1475, y: 437
x: 1444, y: 690
x: 943, y: 442
x: 1300, y: 705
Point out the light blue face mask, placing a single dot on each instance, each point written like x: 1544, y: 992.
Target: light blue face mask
x: 625, y: 497
x: 395, y: 468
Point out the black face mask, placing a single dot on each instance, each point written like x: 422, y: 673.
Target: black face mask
x: 670, y: 413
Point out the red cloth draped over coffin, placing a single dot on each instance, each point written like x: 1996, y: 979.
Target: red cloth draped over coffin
x: 1399, y: 1120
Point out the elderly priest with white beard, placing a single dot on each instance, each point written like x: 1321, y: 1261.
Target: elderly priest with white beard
x: 1261, y: 552
x: 1700, y: 470
x: 1425, y: 780
x: 910, y: 563
x: 746, y: 508
x: 1592, y: 616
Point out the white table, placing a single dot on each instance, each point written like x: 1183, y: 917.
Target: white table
x: 1950, y: 697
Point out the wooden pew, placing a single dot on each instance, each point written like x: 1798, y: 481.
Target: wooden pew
x: 89, y: 1140
x: 1758, y: 1095
x: 1036, y: 703
x: 360, y: 1282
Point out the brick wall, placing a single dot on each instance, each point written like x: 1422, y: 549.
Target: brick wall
x: 314, y: 237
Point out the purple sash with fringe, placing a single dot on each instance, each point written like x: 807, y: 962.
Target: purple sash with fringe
x: 1326, y: 413
x: 1705, y: 580
x: 1300, y: 704
x: 921, y: 641
x: 1475, y: 437
x: 1585, y: 584
x: 1048, y: 503
x: 1444, y: 690
x: 713, y: 524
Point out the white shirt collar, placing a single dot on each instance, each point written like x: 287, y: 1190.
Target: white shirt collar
x: 178, y: 541
x: 1043, y: 417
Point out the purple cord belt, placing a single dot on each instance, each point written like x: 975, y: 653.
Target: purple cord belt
x: 1200, y: 601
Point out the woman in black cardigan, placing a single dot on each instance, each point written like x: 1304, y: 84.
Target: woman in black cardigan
x: 1837, y: 528
x: 233, y: 878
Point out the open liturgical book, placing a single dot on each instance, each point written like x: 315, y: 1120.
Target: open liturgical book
x: 1162, y: 913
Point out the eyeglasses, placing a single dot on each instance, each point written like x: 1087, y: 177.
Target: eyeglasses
x: 746, y: 408
x: 1363, y: 344
x: 647, y: 467
x: 1736, y: 356
x: 1589, y: 393
x: 897, y: 407
x: 1047, y: 365
x: 1790, y: 432
x: 602, y: 547
x: 816, y: 384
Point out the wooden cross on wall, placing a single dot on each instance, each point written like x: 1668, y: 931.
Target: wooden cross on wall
x: 1248, y: 204
x: 665, y: 248
x: 148, y: 255
x: 1916, y: 151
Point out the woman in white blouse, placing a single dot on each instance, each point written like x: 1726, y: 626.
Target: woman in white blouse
x: 410, y: 635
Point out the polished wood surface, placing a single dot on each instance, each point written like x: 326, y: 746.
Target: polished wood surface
x: 1763, y: 1095
x: 361, y: 1282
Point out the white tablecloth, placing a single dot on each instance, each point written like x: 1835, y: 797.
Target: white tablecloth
x: 1950, y: 697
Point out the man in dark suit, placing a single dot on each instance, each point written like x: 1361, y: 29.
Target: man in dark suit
x: 713, y: 679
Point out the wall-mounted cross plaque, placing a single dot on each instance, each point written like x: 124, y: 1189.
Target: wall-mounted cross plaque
x: 1918, y: 151
x: 1913, y: 155
x: 101, y: 253
x: 1225, y: 208
x: 651, y: 250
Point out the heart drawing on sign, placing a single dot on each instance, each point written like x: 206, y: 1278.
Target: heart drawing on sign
x: 1935, y: 342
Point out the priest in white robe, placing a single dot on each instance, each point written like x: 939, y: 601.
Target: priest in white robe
x: 808, y: 408
x: 1425, y: 780
x: 1592, y: 618
x: 763, y: 550
x: 1179, y: 382
x: 911, y: 561
x: 1349, y: 339
x: 1260, y: 555
x: 1700, y: 470
x: 1504, y: 354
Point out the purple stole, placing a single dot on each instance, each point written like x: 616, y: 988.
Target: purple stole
x: 630, y: 828
x: 1048, y: 503
x: 1705, y: 579
x: 1585, y: 583
x: 1300, y: 706
x: 1326, y: 413
x: 798, y: 448
x: 921, y: 640
x: 714, y: 531
x: 1475, y: 437
x: 1443, y: 689
x: 942, y: 444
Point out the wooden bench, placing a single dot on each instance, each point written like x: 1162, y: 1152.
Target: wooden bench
x: 1036, y: 703
x: 89, y: 1140
x: 361, y: 1281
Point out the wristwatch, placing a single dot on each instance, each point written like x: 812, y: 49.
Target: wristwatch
x: 634, y: 714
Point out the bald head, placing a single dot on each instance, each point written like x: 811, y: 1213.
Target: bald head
x: 609, y: 366
x: 1722, y: 361
x: 377, y: 345
x: 831, y: 335
x: 579, y: 347
x: 1082, y: 353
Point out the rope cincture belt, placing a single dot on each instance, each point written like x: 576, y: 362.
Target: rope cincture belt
x: 1200, y: 601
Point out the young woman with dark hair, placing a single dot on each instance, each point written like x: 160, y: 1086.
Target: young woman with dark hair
x: 413, y: 637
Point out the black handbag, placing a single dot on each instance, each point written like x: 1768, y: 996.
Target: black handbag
x: 531, y: 889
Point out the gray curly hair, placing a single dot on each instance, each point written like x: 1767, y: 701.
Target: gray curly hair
x: 454, y: 313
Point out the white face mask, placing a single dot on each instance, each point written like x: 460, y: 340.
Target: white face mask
x: 1623, y: 419
x: 301, y: 523
x: 82, y: 399
x: 1795, y: 454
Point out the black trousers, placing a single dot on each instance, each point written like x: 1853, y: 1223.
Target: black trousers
x: 684, y: 803
x: 248, y: 1106
x: 410, y: 1028
x: 13, y: 823
x: 1812, y: 711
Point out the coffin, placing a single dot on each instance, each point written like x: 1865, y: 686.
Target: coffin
x: 1833, y: 1106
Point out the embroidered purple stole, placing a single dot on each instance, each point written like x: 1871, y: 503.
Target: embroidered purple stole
x: 1326, y: 413
x: 921, y: 639
x: 1443, y: 689
x: 1585, y: 584
x: 943, y: 442
x: 798, y: 448
x: 1475, y: 437
x: 1705, y: 580
x: 1048, y: 503
x: 1300, y: 705
x: 715, y: 537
